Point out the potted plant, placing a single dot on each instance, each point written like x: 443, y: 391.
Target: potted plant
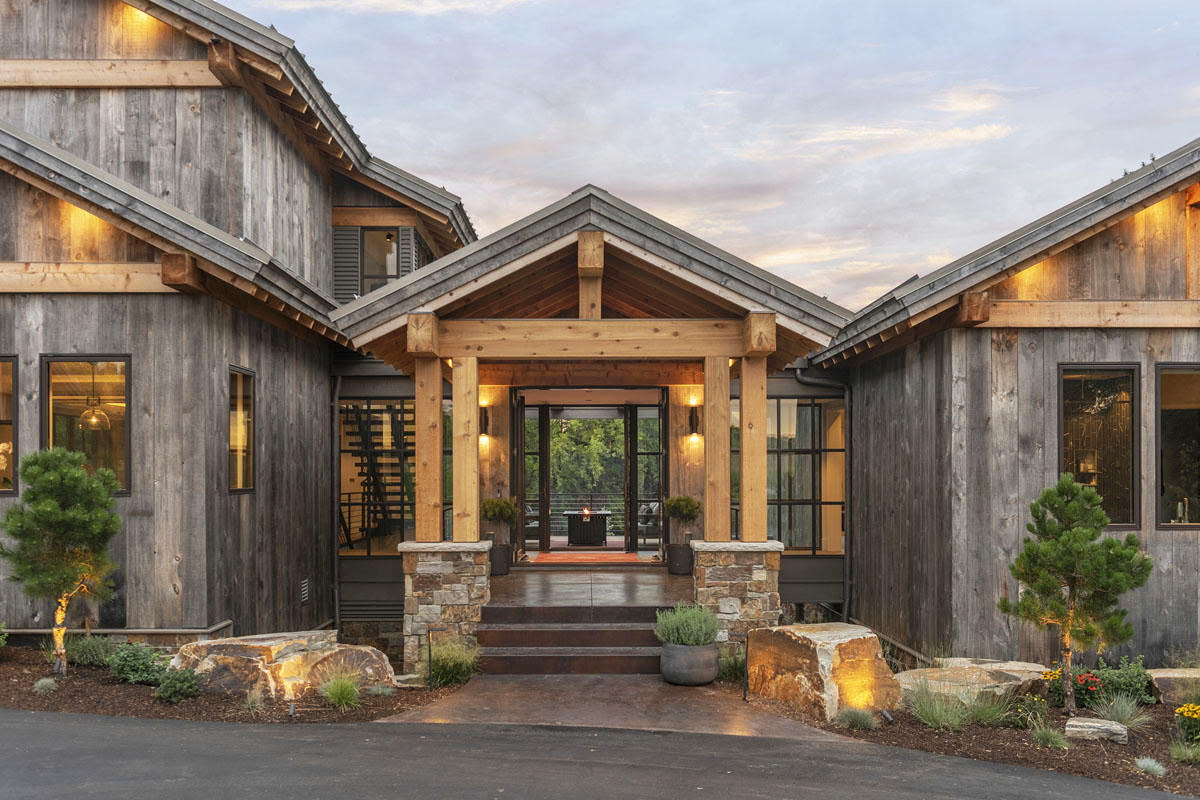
x: 689, y: 645
x: 684, y: 510
x: 500, y: 509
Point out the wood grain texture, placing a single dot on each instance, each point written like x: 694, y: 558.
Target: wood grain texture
x: 81, y: 276
x: 1092, y: 314
x: 686, y: 475
x: 494, y: 470
x: 465, y: 439
x: 428, y: 389
x: 655, y: 339
x: 104, y: 74
x: 752, y: 418
x: 716, y: 449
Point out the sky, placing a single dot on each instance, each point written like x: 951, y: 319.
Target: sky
x: 845, y: 146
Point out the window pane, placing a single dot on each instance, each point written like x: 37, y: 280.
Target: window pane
x: 1097, y: 435
x: 833, y: 477
x: 832, y: 530
x: 787, y: 424
x: 772, y: 424
x: 1179, y: 454
x: 796, y: 476
x: 773, y: 521
x: 796, y: 525
x: 379, y: 258
x: 831, y: 429
x: 648, y: 476
x: 86, y: 407
x: 378, y: 457
x: 241, y: 430
x: 647, y: 430
x: 8, y: 450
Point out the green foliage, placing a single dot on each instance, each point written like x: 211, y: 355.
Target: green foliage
x: 380, y: 690
x: 1128, y: 677
x: 1123, y: 708
x: 453, y: 663
x: 1073, y: 577
x: 1183, y: 658
x: 341, y: 691
x: 254, y: 699
x: 177, y: 684
x: 1150, y: 766
x: 586, y: 455
x: 1048, y: 736
x: 1027, y: 711
x: 499, y: 509
x: 1187, y: 717
x: 856, y: 719
x: 1185, y: 752
x: 731, y: 668
x: 937, y: 710
x: 90, y: 651
x: 137, y: 663
x: 682, y: 509
x: 989, y: 709
x: 688, y: 625
x: 3, y: 635
x: 44, y: 686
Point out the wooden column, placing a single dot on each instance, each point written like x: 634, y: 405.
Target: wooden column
x: 753, y: 453
x: 716, y: 449
x: 591, y: 273
x: 427, y: 378
x: 466, y: 449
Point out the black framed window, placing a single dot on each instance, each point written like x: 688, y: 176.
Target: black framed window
x: 241, y: 429
x: 1179, y: 445
x: 85, y: 403
x: 380, y: 257
x: 1098, y: 438
x: 8, y: 424
x: 806, y: 472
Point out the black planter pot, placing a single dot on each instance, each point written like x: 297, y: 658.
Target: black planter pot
x: 501, y: 558
x: 679, y: 559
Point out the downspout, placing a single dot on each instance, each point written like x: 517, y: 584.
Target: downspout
x: 847, y: 397
x: 334, y: 484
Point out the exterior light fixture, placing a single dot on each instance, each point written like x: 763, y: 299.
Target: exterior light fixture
x: 694, y: 424
x: 93, y: 417
x: 484, y: 420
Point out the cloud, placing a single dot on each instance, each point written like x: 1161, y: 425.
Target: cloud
x: 967, y: 100
x: 419, y: 7
x: 814, y: 249
x: 859, y: 142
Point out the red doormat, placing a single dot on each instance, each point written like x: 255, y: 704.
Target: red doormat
x: 586, y: 558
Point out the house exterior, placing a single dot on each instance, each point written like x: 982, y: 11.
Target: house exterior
x: 307, y: 371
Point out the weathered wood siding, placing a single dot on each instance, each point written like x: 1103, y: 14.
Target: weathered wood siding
x: 903, y: 541
x: 686, y: 458
x: 89, y: 29
x: 191, y: 554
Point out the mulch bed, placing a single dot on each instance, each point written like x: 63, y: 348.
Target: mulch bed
x: 1101, y: 760
x: 93, y: 690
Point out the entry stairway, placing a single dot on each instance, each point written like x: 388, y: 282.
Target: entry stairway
x: 562, y: 640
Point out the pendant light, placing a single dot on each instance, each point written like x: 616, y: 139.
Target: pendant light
x: 93, y: 417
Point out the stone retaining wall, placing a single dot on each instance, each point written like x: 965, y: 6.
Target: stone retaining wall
x: 445, y: 586
x: 739, y: 581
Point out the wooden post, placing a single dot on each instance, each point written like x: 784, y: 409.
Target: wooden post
x: 753, y: 453
x: 591, y: 273
x: 466, y: 449
x: 427, y: 378
x: 716, y: 449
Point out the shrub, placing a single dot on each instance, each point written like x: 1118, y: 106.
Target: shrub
x: 1048, y: 736
x: 499, y: 509
x: 1185, y: 752
x: 856, y: 719
x: 688, y: 625
x: 1183, y: 658
x: 1150, y: 766
x: 178, y: 684
x: 44, y: 686
x: 732, y: 667
x: 1028, y: 711
x: 137, y: 663
x: 380, y: 690
x: 1122, y: 708
x: 1187, y: 717
x: 341, y: 691
x: 989, y: 709
x: 938, y: 711
x: 1129, y: 677
x: 682, y: 509
x: 3, y: 635
x: 90, y: 651
x: 254, y: 699
x: 453, y: 663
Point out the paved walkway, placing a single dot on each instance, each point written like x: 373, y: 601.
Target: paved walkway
x: 47, y: 755
x: 602, y: 586
x: 637, y: 702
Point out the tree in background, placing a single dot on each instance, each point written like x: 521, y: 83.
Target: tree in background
x: 1073, y: 578
x: 61, y: 529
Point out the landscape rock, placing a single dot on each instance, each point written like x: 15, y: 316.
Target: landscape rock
x: 1098, y: 729
x: 284, y: 665
x: 1175, y: 686
x: 821, y: 669
x: 967, y: 678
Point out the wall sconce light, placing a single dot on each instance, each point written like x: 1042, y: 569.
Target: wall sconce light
x: 694, y: 424
x: 484, y: 420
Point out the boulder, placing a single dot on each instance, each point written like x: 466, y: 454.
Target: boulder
x: 967, y: 678
x: 1098, y: 729
x: 821, y: 669
x: 1175, y: 686
x: 285, y: 665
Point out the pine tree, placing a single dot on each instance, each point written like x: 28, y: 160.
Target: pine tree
x: 1072, y: 577
x: 61, y: 529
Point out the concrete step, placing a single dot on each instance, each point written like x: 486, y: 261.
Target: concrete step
x: 611, y: 634
x: 567, y: 615
x: 570, y: 660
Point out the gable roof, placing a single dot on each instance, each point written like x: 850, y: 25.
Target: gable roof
x: 920, y: 297
x: 591, y: 208
x: 205, y: 21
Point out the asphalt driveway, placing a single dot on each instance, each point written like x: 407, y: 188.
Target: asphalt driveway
x: 46, y: 755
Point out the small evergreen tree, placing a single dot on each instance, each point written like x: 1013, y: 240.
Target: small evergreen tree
x: 1073, y: 578
x: 61, y: 529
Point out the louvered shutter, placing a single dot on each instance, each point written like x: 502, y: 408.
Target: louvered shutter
x: 346, y: 263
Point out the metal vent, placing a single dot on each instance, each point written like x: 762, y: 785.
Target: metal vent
x: 303, y: 591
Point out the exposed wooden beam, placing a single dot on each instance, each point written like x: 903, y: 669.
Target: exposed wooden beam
x: 591, y: 274
x: 973, y: 309
x: 1193, y: 246
x: 372, y: 217
x: 609, y: 338
x: 752, y: 409
x: 223, y: 63
x: 758, y: 334
x: 427, y: 383
x: 423, y: 334
x: 1093, y: 314
x: 716, y: 449
x: 104, y: 74
x: 465, y: 443
x: 38, y: 277
x: 179, y: 272
x: 591, y: 373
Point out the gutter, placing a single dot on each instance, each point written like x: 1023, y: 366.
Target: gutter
x: 847, y: 399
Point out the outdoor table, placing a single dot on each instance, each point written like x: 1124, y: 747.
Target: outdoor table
x: 589, y: 529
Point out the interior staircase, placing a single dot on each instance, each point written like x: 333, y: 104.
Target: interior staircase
x: 568, y: 640
x: 378, y: 439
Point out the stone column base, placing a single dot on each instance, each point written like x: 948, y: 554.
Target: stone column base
x: 739, y: 582
x: 445, y: 586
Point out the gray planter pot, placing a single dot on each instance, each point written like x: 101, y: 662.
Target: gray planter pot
x: 689, y: 666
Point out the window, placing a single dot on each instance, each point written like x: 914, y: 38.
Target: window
x: 380, y: 257
x: 241, y: 429
x: 806, y: 472
x: 1098, y: 438
x: 1179, y: 445
x: 85, y: 401
x: 8, y: 424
